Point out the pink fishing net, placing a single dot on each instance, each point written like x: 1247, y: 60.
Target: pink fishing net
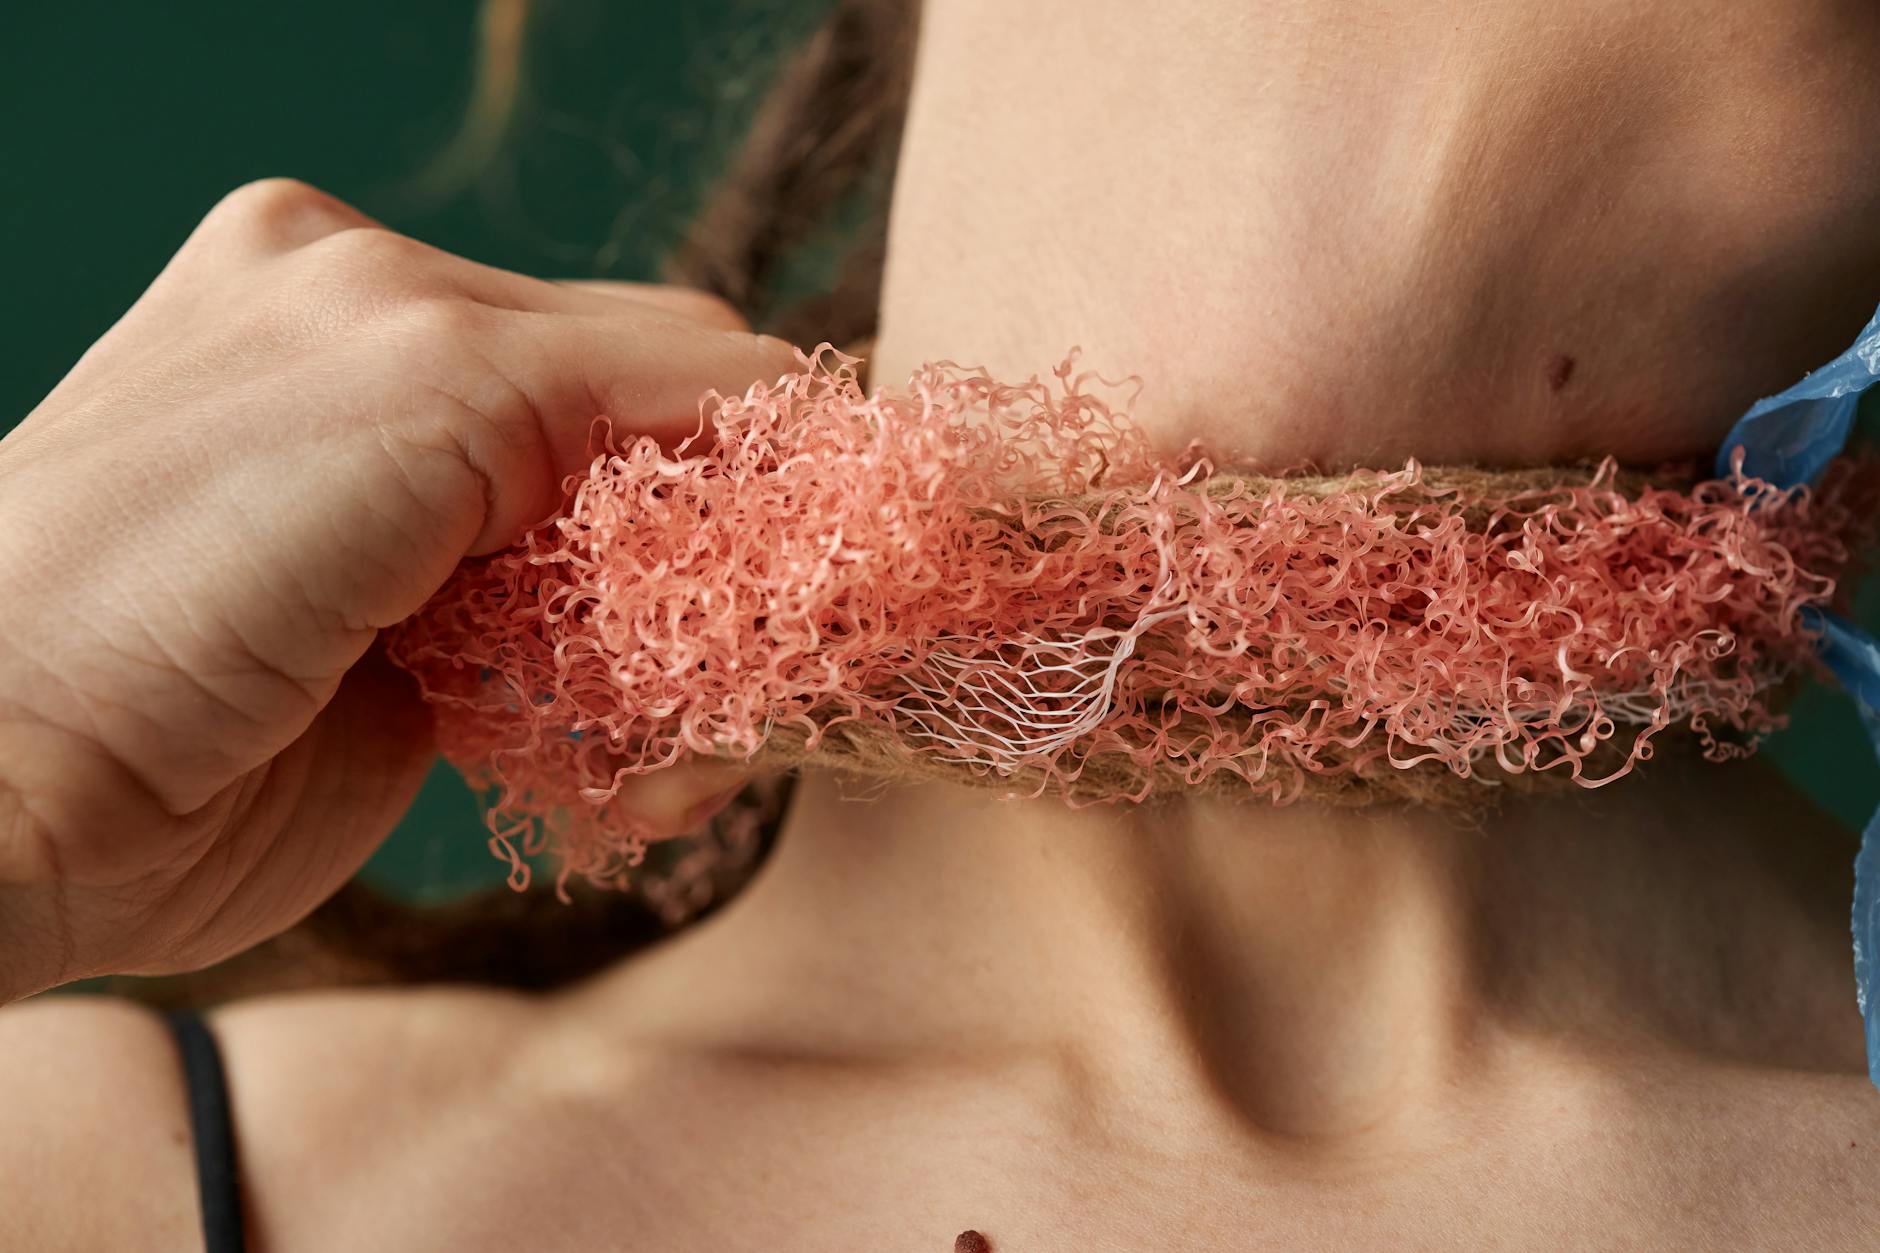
x: 1007, y: 584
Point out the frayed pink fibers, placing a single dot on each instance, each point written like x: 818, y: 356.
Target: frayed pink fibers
x: 1009, y: 578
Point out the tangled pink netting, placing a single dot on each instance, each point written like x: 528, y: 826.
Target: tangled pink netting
x: 1008, y: 583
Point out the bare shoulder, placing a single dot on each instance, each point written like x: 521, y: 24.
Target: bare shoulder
x: 95, y: 1140
x: 96, y: 1148
x: 336, y: 1092
x: 430, y: 1039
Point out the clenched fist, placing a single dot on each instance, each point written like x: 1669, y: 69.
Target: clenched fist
x: 283, y: 448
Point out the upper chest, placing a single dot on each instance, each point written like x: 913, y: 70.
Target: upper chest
x: 713, y: 1157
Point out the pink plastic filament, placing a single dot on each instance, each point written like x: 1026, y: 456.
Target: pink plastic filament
x: 1006, y: 584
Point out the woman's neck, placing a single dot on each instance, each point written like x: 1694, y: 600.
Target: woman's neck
x: 1342, y: 234
x: 1354, y: 233
x: 1313, y: 972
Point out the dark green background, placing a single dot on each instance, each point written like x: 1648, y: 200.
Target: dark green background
x: 125, y: 122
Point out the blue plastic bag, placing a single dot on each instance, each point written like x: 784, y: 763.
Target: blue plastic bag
x: 1787, y: 440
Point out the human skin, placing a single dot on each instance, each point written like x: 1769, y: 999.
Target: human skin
x: 283, y: 448
x: 1345, y: 234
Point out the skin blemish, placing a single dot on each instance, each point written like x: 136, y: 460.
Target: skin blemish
x: 971, y: 1242
x: 1560, y: 371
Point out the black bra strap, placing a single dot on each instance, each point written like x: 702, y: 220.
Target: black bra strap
x: 216, y: 1178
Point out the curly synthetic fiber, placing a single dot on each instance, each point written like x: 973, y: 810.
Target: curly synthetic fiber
x: 1006, y: 584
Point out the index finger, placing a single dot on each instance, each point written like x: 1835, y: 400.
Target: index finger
x: 646, y: 373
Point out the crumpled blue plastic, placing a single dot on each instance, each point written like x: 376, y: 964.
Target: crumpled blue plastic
x: 1789, y: 439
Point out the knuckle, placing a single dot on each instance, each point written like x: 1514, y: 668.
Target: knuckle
x: 279, y: 212
x: 366, y: 251
x: 441, y: 320
x: 269, y: 196
x: 368, y: 274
